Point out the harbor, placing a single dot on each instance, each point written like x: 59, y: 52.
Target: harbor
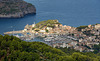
x: 54, y: 34
x: 49, y: 34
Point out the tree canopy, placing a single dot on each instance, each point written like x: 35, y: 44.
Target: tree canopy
x: 14, y: 49
x: 48, y: 23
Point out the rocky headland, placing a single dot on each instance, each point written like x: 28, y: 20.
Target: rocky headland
x: 15, y: 8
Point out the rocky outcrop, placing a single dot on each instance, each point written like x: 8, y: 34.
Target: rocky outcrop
x: 15, y: 8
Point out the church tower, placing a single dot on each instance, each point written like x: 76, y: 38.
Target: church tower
x: 33, y: 25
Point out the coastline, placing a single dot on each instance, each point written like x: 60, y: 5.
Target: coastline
x: 17, y: 17
x: 57, y: 35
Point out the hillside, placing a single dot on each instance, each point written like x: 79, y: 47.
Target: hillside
x: 47, y: 23
x: 15, y: 8
x: 14, y: 49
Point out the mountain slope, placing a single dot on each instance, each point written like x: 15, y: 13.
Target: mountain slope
x: 15, y: 8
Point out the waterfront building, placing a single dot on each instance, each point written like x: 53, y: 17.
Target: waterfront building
x: 90, y: 26
x: 97, y: 26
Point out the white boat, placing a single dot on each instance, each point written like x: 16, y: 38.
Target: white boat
x: 16, y: 36
x: 47, y: 39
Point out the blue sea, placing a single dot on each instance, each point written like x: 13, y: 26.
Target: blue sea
x: 68, y: 12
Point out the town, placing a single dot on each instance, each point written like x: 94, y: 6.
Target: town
x: 55, y: 34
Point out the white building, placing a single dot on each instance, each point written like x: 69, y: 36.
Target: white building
x: 97, y: 26
x: 49, y: 28
x: 33, y: 25
x: 42, y: 31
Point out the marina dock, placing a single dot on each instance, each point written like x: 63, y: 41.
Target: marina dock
x: 14, y: 32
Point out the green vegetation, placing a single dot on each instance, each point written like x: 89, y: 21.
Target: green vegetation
x: 96, y: 48
x: 29, y: 5
x: 81, y: 27
x: 68, y: 51
x: 48, y: 23
x: 14, y: 49
x: 96, y: 23
x: 9, y: 7
x: 47, y: 31
x: 37, y: 30
x: 33, y: 28
x: 88, y: 33
x: 81, y: 56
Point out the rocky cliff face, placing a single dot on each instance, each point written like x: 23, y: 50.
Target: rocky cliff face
x: 15, y: 8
